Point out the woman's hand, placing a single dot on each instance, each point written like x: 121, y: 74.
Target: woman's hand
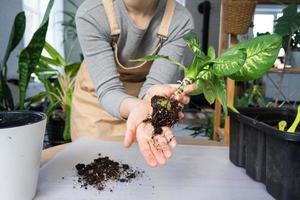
x: 167, y: 90
x: 142, y: 133
x: 153, y: 154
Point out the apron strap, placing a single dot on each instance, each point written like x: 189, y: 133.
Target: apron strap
x: 163, y: 31
x: 110, y: 13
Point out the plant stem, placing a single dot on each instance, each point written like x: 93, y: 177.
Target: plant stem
x: 186, y: 81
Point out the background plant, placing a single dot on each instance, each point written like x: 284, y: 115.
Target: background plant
x: 58, y: 78
x: 286, y: 26
x: 28, y: 60
x: 252, y: 97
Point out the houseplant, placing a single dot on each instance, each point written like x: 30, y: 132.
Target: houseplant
x: 22, y: 132
x: 286, y: 26
x: 58, y: 77
x: 207, y: 72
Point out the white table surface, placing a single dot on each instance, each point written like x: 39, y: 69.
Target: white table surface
x: 194, y: 172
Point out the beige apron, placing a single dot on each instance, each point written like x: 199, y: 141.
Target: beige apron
x: 87, y: 116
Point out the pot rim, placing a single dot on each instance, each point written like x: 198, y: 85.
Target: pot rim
x: 39, y: 116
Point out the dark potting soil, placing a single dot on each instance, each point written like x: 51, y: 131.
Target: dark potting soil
x: 103, y: 170
x: 165, y: 113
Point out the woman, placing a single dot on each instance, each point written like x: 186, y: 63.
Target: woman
x: 109, y: 88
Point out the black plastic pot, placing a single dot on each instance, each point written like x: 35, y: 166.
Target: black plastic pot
x: 54, y: 131
x: 271, y: 156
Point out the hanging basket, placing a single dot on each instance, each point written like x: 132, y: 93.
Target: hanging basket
x: 237, y: 16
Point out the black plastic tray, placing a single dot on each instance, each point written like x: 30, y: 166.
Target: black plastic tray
x: 268, y: 155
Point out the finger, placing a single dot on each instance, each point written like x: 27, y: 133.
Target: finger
x: 181, y: 115
x: 165, y: 147
x: 158, y: 152
x: 183, y: 99
x: 189, y: 88
x: 170, y: 137
x: 130, y: 133
x: 146, y: 152
x: 168, y: 91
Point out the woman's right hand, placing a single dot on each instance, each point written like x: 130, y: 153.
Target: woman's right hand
x: 142, y: 132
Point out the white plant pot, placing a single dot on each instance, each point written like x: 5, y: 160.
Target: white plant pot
x: 21, y: 141
x: 295, y: 59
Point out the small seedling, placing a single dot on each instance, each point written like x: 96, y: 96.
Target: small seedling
x: 281, y: 125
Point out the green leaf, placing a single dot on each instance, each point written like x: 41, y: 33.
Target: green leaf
x: 199, y: 89
x: 211, y: 53
x: 206, y: 74
x: 192, y: 41
x: 221, y: 91
x: 50, y: 89
x: 72, y: 69
x: 156, y: 57
x: 229, y: 62
x: 6, y: 98
x: 16, y: 35
x: 197, y: 65
x: 30, y: 56
x: 54, y: 55
x: 232, y: 109
x: 289, y: 22
x: 51, y: 108
x: 261, y: 52
x: 209, y: 91
x: 50, y: 61
x: 34, y: 99
x: 67, y: 129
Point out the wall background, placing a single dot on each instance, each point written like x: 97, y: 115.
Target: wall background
x: 8, y: 10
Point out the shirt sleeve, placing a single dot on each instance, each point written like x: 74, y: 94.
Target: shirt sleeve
x: 162, y: 71
x: 100, y: 62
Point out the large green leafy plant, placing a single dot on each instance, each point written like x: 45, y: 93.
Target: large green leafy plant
x: 58, y: 78
x: 246, y: 61
x: 28, y: 60
x: 288, y: 24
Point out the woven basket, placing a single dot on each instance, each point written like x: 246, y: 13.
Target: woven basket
x: 238, y: 15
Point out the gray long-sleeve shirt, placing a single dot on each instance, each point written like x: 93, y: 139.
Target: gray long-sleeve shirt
x: 94, y: 37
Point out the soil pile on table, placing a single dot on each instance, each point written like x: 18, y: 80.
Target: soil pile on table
x: 165, y: 113
x: 103, y: 170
